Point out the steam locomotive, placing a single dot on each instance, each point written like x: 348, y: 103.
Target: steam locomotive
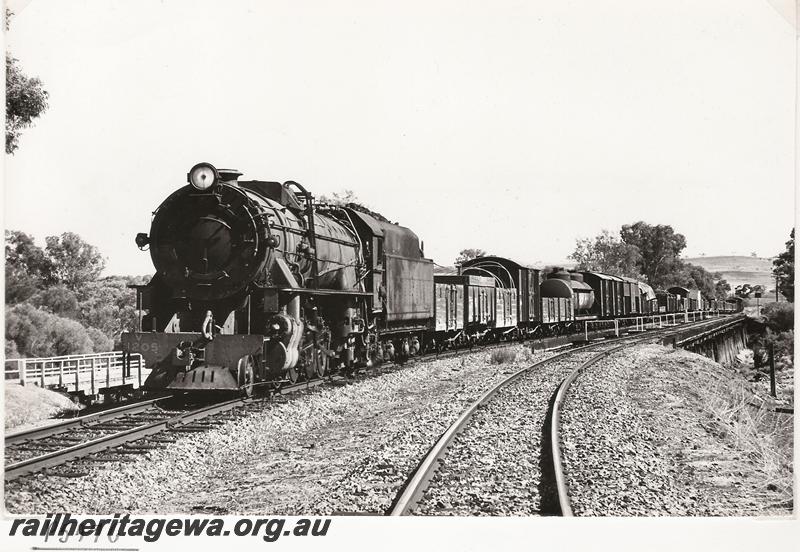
x: 257, y: 284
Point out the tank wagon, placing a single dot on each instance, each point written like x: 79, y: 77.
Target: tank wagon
x: 257, y: 284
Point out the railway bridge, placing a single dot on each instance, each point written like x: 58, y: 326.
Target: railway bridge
x: 83, y: 376
x: 720, y: 343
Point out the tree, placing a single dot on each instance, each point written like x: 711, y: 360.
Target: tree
x: 607, y: 254
x: 57, y: 300
x: 779, y: 319
x: 469, y: 254
x: 784, y: 269
x: 743, y: 290
x: 721, y: 289
x: 74, y: 262
x: 26, y: 99
x: 697, y: 277
x: 108, y: 305
x: 659, y: 247
x: 27, y: 267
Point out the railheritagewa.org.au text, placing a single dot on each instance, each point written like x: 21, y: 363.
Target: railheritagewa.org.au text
x: 64, y: 527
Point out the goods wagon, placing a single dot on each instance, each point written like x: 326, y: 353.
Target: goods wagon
x: 511, y: 274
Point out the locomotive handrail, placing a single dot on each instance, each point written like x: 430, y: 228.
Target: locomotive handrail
x: 322, y: 237
x: 311, y: 230
x: 300, y: 290
x: 360, y: 253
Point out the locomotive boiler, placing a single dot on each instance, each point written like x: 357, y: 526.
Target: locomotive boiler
x: 255, y: 283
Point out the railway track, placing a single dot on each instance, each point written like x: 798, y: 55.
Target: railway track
x: 557, y: 458
x: 39, y: 433
x: 509, y: 436
x: 118, y: 430
x: 142, y: 426
x: 131, y: 429
x: 118, y: 436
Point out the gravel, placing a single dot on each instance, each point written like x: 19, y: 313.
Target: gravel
x: 334, y: 449
x: 677, y: 437
x: 26, y: 450
x: 494, y: 466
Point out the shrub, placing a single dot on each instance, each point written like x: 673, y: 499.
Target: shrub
x: 784, y: 347
x: 779, y: 316
x: 35, y: 332
x: 501, y: 356
x: 101, y: 343
x: 11, y: 349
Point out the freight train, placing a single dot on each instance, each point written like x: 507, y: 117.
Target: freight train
x: 257, y: 284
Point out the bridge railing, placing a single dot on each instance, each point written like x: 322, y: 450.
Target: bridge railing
x: 647, y: 322
x: 89, y: 373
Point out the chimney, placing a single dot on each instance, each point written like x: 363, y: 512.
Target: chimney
x: 229, y: 176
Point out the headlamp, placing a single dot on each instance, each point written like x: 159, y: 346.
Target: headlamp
x: 203, y: 176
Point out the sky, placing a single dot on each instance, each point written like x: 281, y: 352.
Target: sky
x: 512, y: 126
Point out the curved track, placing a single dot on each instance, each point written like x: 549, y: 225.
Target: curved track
x: 417, y: 486
x: 555, y: 427
x: 115, y: 430
x: 555, y: 430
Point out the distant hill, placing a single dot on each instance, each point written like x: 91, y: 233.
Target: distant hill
x: 738, y: 269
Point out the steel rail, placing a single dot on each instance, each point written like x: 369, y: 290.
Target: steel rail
x: 31, y: 465
x: 55, y: 458
x: 416, y: 486
x: 418, y: 483
x: 555, y: 430
x: 555, y: 423
x: 87, y: 420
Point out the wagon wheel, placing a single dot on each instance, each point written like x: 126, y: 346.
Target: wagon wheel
x: 245, y: 375
x: 292, y: 374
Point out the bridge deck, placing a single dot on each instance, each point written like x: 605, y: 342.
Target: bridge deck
x: 90, y: 374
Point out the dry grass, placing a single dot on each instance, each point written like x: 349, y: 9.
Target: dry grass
x: 502, y: 356
x: 29, y: 404
x: 766, y: 437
